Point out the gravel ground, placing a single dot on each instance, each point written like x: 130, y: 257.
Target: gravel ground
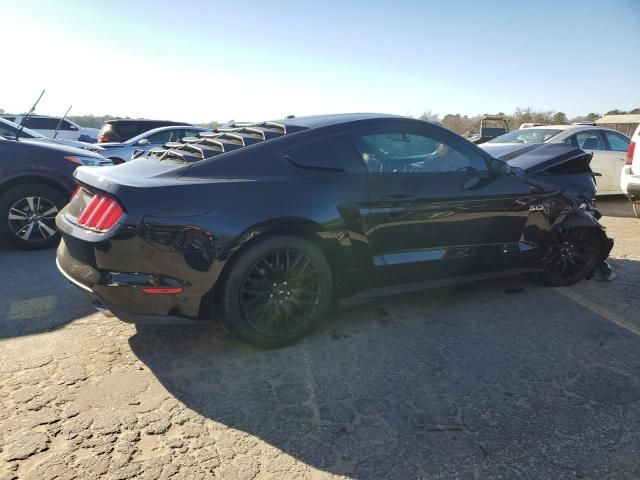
x: 469, y: 382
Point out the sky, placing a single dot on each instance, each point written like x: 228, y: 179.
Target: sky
x: 247, y: 60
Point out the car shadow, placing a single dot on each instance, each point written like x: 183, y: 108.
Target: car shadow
x: 615, y: 206
x: 442, y: 382
x: 35, y: 296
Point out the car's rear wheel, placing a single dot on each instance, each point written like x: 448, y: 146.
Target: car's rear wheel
x: 27, y: 215
x: 573, y: 256
x: 276, y: 292
x: 636, y: 209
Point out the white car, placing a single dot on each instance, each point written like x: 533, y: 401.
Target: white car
x: 10, y: 131
x: 630, y: 175
x: 46, y: 126
x: 607, y: 146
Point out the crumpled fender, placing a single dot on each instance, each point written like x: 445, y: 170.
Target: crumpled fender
x: 579, y: 217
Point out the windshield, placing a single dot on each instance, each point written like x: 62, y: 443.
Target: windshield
x: 9, y: 129
x: 528, y: 135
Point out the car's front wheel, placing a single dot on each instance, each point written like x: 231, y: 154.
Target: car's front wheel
x: 573, y: 255
x: 27, y: 215
x: 636, y: 208
x: 276, y: 291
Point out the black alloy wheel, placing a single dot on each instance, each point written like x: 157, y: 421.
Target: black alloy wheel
x: 281, y: 292
x: 573, y: 255
x: 277, y: 291
x: 28, y: 214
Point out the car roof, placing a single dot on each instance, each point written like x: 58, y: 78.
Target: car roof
x: 145, y: 120
x: 317, y: 121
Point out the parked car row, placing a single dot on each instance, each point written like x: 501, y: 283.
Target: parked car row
x: 607, y: 146
x: 62, y: 128
x: 36, y: 182
x: 120, y: 152
x: 36, y: 171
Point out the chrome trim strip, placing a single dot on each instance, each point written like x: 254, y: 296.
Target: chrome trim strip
x: 72, y: 280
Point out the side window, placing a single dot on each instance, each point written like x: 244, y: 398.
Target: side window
x: 161, y: 137
x: 590, y: 140
x: 41, y: 123
x: 617, y: 142
x: 414, y: 153
x: 65, y: 125
x: 336, y: 153
x: 180, y: 134
x: 7, y: 131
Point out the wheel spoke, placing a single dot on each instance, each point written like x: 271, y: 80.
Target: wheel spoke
x: 49, y: 231
x: 15, y: 214
x: 31, y: 204
x: 52, y: 212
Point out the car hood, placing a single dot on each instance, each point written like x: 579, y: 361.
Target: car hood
x: 68, y: 143
x: 108, y: 145
x: 537, y: 157
x: 62, y: 149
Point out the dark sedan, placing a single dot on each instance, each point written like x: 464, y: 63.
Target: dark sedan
x: 36, y: 181
x: 264, y: 225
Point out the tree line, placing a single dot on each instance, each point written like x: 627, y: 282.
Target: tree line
x: 462, y: 124
x: 469, y: 125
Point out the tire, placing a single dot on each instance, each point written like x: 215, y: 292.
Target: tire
x: 636, y: 209
x: 27, y: 215
x: 276, y: 291
x: 573, y: 256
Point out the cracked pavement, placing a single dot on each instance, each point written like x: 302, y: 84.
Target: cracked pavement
x: 503, y: 379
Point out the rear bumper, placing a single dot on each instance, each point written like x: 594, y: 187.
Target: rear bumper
x: 630, y: 183
x: 123, y: 292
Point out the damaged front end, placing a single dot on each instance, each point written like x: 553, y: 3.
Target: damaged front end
x: 568, y: 229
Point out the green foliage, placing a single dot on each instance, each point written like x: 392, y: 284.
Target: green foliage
x: 91, y: 121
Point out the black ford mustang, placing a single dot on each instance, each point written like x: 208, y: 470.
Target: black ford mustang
x: 263, y: 225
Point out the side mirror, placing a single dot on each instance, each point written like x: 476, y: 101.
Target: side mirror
x: 499, y: 167
x: 143, y: 142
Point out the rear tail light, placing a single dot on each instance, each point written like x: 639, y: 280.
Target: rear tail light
x: 101, y: 213
x: 102, y: 138
x: 632, y: 149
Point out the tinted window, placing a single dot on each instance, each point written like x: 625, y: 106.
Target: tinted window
x: 40, y: 123
x: 125, y: 131
x: 337, y: 153
x: 7, y: 131
x: 180, y: 134
x: 161, y: 137
x: 617, y: 142
x: 65, y: 125
x: 589, y: 140
x: 414, y: 153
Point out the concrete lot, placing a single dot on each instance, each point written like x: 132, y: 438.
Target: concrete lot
x: 471, y: 382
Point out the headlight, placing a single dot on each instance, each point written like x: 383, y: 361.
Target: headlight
x: 82, y: 160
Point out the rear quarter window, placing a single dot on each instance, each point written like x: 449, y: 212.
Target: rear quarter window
x: 336, y: 153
